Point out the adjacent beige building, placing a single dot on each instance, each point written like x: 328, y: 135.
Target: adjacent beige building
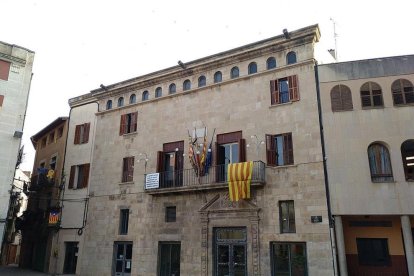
x: 153, y: 211
x: 368, y: 108
x: 15, y: 77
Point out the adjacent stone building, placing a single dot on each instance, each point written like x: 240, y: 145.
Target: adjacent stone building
x: 368, y: 108
x: 41, y: 220
x: 156, y: 208
x: 15, y: 77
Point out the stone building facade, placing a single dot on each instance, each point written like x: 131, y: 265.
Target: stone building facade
x: 15, y: 78
x: 367, y: 108
x: 150, y: 213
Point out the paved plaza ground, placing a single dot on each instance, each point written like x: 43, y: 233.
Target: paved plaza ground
x: 16, y: 271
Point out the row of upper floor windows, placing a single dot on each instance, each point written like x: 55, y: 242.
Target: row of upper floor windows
x: 371, y: 95
x: 202, y: 81
x: 52, y: 137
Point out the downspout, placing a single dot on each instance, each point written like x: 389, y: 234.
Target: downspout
x: 325, y: 172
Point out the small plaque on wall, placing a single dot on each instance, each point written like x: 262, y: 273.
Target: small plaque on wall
x: 316, y: 219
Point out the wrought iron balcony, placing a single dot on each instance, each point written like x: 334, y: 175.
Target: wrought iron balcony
x: 187, y: 180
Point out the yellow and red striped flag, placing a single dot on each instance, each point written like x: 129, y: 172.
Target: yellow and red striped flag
x: 53, y: 217
x: 239, y: 176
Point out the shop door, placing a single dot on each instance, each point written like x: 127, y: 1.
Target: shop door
x: 71, y: 257
x: 122, y: 258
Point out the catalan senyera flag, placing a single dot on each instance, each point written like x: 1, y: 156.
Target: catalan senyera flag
x: 53, y: 217
x: 239, y: 176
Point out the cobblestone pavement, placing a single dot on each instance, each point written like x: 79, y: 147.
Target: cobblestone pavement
x: 16, y: 271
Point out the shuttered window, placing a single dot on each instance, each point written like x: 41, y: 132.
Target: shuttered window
x: 279, y: 149
x: 407, y: 153
x: 4, y: 70
x: 371, y: 95
x: 341, y: 98
x: 79, y: 176
x: 402, y: 92
x: 284, y: 90
x: 128, y: 123
x: 1, y: 100
x: 379, y: 163
x: 82, y: 133
x: 128, y: 169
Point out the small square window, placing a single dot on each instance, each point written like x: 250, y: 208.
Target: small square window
x: 52, y: 137
x: 170, y: 214
x: 60, y: 132
x: 44, y: 140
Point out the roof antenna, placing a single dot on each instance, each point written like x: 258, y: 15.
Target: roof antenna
x: 334, y: 52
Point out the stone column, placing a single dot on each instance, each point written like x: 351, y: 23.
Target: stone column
x: 408, y: 243
x: 340, y: 245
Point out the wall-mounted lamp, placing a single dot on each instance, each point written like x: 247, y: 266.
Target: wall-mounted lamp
x: 257, y: 143
x: 143, y: 158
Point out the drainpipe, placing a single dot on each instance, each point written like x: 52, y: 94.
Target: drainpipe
x: 325, y: 172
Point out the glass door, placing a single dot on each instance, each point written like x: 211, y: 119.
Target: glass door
x: 231, y: 251
x: 122, y: 258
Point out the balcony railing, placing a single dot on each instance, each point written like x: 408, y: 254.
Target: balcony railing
x: 188, y: 180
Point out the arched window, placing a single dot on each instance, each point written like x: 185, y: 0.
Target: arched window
x: 402, y: 92
x: 371, y: 95
x: 186, y: 85
x: 252, y: 68
x: 379, y: 163
x: 201, y: 81
x: 121, y: 101
x: 270, y: 63
x: 218, y: 77
x: 172, y: 88
x: 132, y: 99
x: 145, y: 95
x: 341, y: 98
x: 109, y: 104
x: 234, y: 73
x: 158, y: 92
x: 407, y: 153
x: 291, y: 58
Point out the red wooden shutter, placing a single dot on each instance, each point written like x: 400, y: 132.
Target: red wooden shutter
x: 85, y: 179
x: 288, y: 149
x: 4, y: 70
x: 134, y: 120
x: 274, y: 92
x: 270, y: 150
x: 293, y: 88
x: 122, y: 126
x: 242, y: 150
x: 87, y: 126
x: 160, y: 161
x: 77, y: 134
x: 1, y: 100
x: 72, y: 177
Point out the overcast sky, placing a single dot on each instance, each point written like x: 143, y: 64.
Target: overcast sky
x: 80, y: 44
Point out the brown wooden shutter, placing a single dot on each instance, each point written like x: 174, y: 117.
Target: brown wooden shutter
x: 160, y: 161
x: 288, y: 149
x: 346, y: 97
x: 336, y: 99
x: 293, y: 88
x: 4, y: 70
x: 270, y: 150
x: 242, y: 150
x: 77, y: 134
x: 131, y: 168
x: 134, y: 120
x: 274, y: 92
x: 1, y: 100
x: 122, y: 126
x: 87, y: 126
x: 72, y: 177
x: 85, y: 179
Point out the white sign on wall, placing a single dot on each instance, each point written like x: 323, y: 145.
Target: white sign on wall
x: 152, y: 181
